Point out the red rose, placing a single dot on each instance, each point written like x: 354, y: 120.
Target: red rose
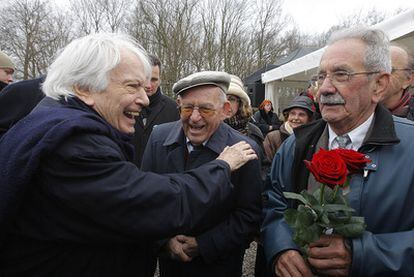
x: 354, y: 160
x: 328, y: 168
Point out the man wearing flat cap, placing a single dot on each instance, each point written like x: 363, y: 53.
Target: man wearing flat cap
x: 216, y: 248
x: 6, y: 70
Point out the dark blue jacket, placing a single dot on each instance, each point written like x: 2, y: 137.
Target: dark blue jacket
x: 223, y: 237
x: 385, y: 196
x: 72, y: 203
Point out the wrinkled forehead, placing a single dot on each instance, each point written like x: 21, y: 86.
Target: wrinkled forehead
x: 347, y: 54
x: 206, y: 94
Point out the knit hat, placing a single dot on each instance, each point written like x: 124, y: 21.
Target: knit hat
x: 236, y: 88
x: 303, y: 102
x: 5, y: 61
x: 216, y: 78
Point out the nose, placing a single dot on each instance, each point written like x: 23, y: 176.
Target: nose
x: 326, y: 87
x: 148, y: 85
x: 142, y: 98
x: 195, y: 115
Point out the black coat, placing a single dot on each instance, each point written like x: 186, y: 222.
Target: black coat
x: 264, y: 120
x: 162, y: 109
x: 80, y: 207
x: 17, y: 100
x: 224, y: 236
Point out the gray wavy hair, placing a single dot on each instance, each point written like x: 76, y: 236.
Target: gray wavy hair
x: 87, y: 61
x: 377, y: 54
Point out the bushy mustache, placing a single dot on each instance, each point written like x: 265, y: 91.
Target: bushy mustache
x: 331, y: 99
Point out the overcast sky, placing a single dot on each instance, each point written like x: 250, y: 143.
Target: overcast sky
x: 316, y: 16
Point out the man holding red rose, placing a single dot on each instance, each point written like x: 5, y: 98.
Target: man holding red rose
x: 354, y: 73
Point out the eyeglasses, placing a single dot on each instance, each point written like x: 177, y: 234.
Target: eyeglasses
x: 340, y: 76
x: 232, y: 98
x: 187, y: 110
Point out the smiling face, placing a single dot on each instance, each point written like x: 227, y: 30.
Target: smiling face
x: 200, y: 124
x: 124, y: 96
x: 348, y: 104
x: 297, y: 117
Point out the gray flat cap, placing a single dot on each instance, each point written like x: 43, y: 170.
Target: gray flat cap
x: 216, y: 78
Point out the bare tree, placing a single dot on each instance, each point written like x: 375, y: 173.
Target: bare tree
x: 33, y: 34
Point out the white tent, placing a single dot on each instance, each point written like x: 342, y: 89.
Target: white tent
x: 296, y: 73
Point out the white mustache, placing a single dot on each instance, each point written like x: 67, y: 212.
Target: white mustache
x: 331, y: 99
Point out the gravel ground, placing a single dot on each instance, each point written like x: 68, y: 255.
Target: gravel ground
x: 249, y: 260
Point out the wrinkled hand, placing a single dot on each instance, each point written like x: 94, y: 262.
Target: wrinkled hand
x: 237, y: 155
x: 291, y: 263
x: 329, y: 256
x: 176, y: 251
x: 190, y: 245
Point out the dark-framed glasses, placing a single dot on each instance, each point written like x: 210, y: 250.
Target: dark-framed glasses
x: 340, y: 76
x: 187, y: 110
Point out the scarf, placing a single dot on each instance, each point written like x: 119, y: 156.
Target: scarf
x: 401, y: 108
x: 288, y: 128
x: 34, y: 137
x: 238, y: 123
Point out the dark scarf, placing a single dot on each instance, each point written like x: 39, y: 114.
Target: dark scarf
x: 267, y: 117
x: 238, y: 123
x: 402, y: 107
x: 35, y: 137
x: 2, y: 85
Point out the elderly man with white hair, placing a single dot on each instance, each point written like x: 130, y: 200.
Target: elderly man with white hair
x: 72, y: 203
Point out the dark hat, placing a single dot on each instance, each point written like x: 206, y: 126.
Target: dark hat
x: 303, y: 102
x: 215, y: 78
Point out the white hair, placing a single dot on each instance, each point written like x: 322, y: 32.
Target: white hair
x: 87, y: 61
x: 377, y: 55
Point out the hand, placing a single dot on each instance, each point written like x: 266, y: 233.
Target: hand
x: 190, y: 245
x: 175, y: 249
x: 237, y: 155
x: 291, y: 263
x: 329, y: 256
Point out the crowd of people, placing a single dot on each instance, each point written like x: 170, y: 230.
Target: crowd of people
x: 102, y: 174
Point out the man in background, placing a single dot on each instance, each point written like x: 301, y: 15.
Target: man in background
x: 161, y: 109
x: 397, y: 97
x: 6, y: 70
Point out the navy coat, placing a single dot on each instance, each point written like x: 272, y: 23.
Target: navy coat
x: 78, y: 206
x: 223, y: 237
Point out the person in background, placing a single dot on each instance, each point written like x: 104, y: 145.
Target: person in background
x: 6, y: 70
x: 72, y: 202
x: 397, y: 97
x: 265, y: 118
x: 161, y: 109
x: 297, y: 113
x: 240, y: 113
x: 354, y: 74
x: 17, y: 100
x: 217, y: 247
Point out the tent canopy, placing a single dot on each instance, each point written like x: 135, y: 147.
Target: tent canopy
x: 297, y: 73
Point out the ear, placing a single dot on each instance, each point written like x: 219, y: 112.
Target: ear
x: 380, y: 87
x: 226, y: 110
x: 84, y: 95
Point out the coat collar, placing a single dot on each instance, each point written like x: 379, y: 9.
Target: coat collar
x: 216, y: 143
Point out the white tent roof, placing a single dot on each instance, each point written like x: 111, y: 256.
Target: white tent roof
x: 399, y: 28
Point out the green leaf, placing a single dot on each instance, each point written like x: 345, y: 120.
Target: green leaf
x: 310, y: 234
x: 296, y: 196
x: 337, y: 208
x: 305, y: 217
x: 312, y: 200
x: 290, y: 216
x: 353, y: 229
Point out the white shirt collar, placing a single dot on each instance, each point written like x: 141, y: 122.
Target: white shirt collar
x: 190, y: 146
x: 357, y: 135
